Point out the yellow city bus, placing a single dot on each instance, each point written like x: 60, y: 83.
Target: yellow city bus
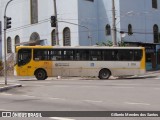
x: 102, y: 62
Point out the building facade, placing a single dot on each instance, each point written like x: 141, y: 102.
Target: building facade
x: 0, y: 40
x: 82, y: 22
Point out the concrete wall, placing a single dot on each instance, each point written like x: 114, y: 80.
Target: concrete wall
x: 142, y: 17
x: 0, y: 40
x: 88, y: 17
x: 105, y: 17
x: 0, y: 32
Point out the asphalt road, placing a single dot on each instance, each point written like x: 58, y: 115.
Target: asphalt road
x: 76, y: 94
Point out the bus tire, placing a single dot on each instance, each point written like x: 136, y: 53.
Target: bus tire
x: 40, y: 74
x: 104, y: 74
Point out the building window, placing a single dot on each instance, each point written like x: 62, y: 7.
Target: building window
x: 90, y: 0
x: 34, y: 11
x: 17, y: 41
x: 9, y: 46
x: 108, y: 29
x: 53, y: 37
x: 66, y: 37
x: 34, y: 36
x: 154, y: 3
x: 0, y: 29
x: 34, y: 39
x: 155, y: 33
x: 130, y: 32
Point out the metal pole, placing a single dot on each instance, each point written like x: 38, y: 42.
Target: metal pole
x: 114, y: 24
x: 5, y: 52
x: 55, y: 13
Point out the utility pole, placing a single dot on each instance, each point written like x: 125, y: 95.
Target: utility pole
x: 114, y: 24
x: 5, y: 28
x: 56, y: 29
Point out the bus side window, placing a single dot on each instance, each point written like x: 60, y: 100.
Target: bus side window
x: 107, y: 55
x: 56, y: 55
x: 77, y: 55
x: 115, y: 55
x: 84, y: 55
x: 125, y: 55
x: 96, y: 55
x: 137, y: 55
x: 68, y: 55
x: 37, y: 55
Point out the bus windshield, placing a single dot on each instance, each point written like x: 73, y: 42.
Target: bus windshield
x: 24, y: 56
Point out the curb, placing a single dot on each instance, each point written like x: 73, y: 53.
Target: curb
x: 9, y: 87
x: 152, y: 72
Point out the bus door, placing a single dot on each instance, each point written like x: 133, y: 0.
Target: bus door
x: 24, y: 57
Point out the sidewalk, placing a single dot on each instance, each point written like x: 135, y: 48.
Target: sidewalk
x: 9, y: 86
x: 153, y: 72
x: 4, y: 87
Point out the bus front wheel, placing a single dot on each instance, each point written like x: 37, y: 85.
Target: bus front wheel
x: 40, y: 74
x: 104, y: 74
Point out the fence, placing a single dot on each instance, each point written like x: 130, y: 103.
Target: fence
x: 9, y: 66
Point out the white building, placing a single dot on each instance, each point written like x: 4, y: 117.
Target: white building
x: 138, y: 19
x: 0, y: 41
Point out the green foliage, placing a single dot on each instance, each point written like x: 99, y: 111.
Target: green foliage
x: 1, y: 65
x: 110, y: 43
x: 107, y: 43
x: 121, y: 44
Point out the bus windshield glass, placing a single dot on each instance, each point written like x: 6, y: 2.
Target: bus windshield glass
x: 24, y: 56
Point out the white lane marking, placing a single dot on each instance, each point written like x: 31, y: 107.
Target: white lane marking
x: 93, y: 101
x: 123, y: 87
x: 57, y: 98
x: 60, y: 118
x: 6, y: 94
x: 156, y: 88
x: 5, y: 110
x: 28, y: 96
x: 62, y: 86
x: 39, y: 85
x: 119, y: 84
x: 132, y: 103
x: 43, y: 81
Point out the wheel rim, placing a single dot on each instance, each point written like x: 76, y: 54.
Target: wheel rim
x: 104, y: 74
x: 41, y: 74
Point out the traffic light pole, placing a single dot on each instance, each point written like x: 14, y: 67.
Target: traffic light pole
x: 55, y: 13
x: 114, y: 24
x: 5, y: 28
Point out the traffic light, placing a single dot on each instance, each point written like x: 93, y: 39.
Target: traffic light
x: 53, y: 21
x: 8, y: 22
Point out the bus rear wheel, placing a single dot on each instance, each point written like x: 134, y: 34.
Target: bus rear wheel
x: 40, y: 74
x: 104, y: 74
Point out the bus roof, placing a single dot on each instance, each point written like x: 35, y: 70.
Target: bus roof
x: 77, y: 47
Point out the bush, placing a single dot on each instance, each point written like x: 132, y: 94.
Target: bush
x: 1, y: 65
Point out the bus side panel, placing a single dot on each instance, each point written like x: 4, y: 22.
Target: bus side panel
x: 92, y: 68
x: 30, y: 68
x: 143, y: 61
x: 46, y: 65
x: 74, y: 68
